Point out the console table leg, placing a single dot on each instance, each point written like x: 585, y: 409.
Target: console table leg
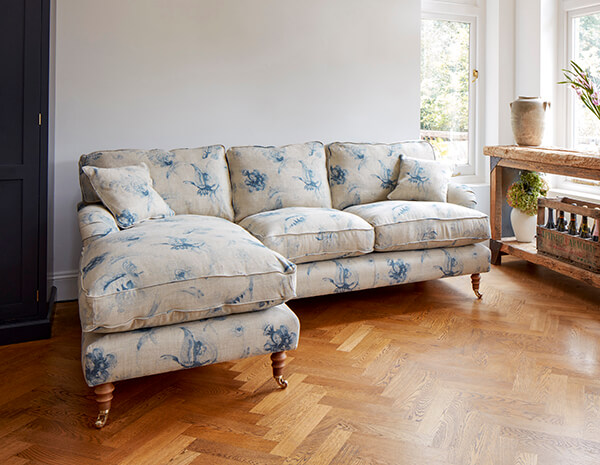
x: 496, y: 253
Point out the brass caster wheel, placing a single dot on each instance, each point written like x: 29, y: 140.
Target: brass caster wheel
x: 478, y: 294
x: 282, y: 383
x: 102, y: 419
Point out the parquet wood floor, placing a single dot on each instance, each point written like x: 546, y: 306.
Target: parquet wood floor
x: 417, y: 374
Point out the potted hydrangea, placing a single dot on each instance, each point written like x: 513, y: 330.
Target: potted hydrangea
x: 522, y: 196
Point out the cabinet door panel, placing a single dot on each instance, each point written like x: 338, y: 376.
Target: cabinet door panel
x: 20, y: 152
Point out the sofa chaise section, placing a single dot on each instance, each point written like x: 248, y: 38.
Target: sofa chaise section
x: 177, y: 269
x: 181, y: 291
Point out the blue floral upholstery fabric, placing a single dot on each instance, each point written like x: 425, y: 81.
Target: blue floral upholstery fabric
x: 366, y: 173
x: 191, y: 181
x: 177, y: 269
x: 128, y: 193
x: 303, y: 234
x: 269, y: 178
x: 461, y: 194
x: 362, y: 173
x: 422, y: 180
x: 95, y: 221
x: 406, y: 225
x: 391, y: 268
x: 114, y: 357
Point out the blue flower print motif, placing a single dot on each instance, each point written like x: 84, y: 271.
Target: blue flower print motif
x: 181, y: 275
x: 93, y: 263
x: 325, y: 237
x: 452, y: 267
x: 387, y: 181
x: 126, y: 278
x: 126, y: 219
x: 126, y: 239
x: 147, y: 334
x: 194, y: 291
x: 238, y: 330
x: 280, y: 339
x: 310, y: 184
x: 399, y: 211
x: 429, y: 235
x: 98, y: 366
x: 194, y: 353
x: 416, y: 176
x: 165, y: 161
x: 398, y: 270
x: 337, y: 174
x: 358, y: 155
x: 293, y: 221
x: 181, y: 243
x: 343, y: 280
x: 277, y: 157
x: 202, y: 182
x: 244, y: 295
x: 211, y: 152
x: 314, y: 150
x: 255, y: 180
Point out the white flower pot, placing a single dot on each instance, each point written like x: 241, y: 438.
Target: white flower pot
x: 523, y: 225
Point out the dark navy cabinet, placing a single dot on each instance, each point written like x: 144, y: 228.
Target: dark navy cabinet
x: 25, y: 311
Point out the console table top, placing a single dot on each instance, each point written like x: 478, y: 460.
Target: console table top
x: 545, y: 155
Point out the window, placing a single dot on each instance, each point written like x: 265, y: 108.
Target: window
x: 583, y: 128
x: 448, y: 79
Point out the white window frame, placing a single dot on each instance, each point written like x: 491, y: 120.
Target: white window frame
x: 569, y: 10
x: 467, y: 12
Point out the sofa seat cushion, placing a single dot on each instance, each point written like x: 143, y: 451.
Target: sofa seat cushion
x: 181, y: 268
x: 413, y: 225
x: 310, y: 234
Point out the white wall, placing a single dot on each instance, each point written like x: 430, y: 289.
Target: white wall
x: 177, y: 73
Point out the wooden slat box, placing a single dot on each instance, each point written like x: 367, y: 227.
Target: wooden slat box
x: 583, y: 253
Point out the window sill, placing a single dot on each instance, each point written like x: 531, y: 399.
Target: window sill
x: 577, y: 195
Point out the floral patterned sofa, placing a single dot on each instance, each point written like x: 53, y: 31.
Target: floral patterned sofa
x: 247, y: 230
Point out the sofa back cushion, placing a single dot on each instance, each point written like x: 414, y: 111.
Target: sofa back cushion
x: 269, y: 178
x: 191, y: 181
x: 364, y: 173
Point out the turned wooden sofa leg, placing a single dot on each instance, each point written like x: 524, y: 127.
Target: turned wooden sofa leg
x: 475, y: 278
x: 278, y: 362
x: 103, y: 397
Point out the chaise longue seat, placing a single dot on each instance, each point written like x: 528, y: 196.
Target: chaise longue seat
x: 178, y: 269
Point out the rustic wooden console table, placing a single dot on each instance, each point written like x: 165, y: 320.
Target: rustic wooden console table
x: 545, y: 160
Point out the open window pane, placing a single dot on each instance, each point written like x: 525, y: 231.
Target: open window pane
x: 586, y: 53
x: 445, y: 75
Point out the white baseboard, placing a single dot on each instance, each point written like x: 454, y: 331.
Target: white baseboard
x: 66, y: 285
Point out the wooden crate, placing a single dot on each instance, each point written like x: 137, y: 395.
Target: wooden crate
x: 583, y: 253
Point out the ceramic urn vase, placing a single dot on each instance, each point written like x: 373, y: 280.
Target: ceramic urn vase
x: 523, y: 225
x: 528, y: 116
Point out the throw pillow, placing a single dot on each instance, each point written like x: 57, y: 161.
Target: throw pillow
x: 269, y: 178
x: 422, y: 180
x: 128, y: 193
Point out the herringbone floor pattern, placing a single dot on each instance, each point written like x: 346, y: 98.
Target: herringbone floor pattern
x: 417, y: 374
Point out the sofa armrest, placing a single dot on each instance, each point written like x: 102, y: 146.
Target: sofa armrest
x: 95, y: 221
x: 461, y: 194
